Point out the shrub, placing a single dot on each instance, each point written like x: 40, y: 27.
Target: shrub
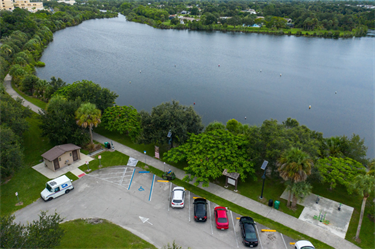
x: 40, y: 64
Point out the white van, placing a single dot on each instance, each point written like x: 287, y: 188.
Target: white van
x: 56, y: 187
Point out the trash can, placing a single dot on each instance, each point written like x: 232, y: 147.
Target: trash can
x: 270, y: 203
x: 277, y: 204
x: 106, y: 145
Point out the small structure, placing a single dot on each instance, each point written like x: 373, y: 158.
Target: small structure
x: 61, y: 156
x: 231, y: 178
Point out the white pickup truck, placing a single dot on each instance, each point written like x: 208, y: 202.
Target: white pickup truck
x: 56, y: 187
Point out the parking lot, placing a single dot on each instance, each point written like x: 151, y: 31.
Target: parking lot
x: 140, y: 202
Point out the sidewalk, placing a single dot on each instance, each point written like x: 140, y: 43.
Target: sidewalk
x: 268, y: 212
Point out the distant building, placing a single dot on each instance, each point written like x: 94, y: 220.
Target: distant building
x: 250, y: 11
x: 184, y: 12
x: 255, y: 26
x: 71, y: 2
x: 7, y: 5
x: 30, y: 6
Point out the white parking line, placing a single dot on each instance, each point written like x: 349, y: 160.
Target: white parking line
x: 234, y: 230
x: 189, y: 206
x: 260, y: 242
x: 169, y: 198
x: 122, y: 179
x: 209, y: 208
x: 283, y: 240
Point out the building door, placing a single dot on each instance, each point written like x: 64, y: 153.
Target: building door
x: 75, y: 155
x: 56, y: 163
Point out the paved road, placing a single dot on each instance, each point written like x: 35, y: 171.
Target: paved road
x: 118, y: 195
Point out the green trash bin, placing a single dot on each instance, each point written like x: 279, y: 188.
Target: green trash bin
x: 276, y: 205
x: 106, y: 145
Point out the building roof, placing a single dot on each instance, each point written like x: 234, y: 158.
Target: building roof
x: 58, y: 150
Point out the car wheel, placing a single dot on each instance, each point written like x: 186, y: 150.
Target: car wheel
x: 67, y: 191
x: 49, y: 199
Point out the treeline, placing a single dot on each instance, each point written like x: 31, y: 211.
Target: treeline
x: 24, y: 36
x: 326, y: 19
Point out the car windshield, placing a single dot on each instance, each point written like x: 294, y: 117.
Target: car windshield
x: 48, y: 187
x: 250, y: 232
x: 222, y: 220
x: 307, y: 247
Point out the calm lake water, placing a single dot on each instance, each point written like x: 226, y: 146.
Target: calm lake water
x: 183, y: 65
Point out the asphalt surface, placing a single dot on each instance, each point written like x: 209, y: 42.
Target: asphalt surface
x: 139, y: 203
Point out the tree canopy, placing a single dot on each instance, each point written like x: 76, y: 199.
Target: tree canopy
x: 88, y: 91
x: 122, y: 119
x: 339, y: 170
x: 208, y: 154
x: 43, y: 233
x: 88, y: 116
x: 179, y: 119
x: 58, y: 122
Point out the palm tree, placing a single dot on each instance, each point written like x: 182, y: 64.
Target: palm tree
x: 88, y: 115
x: 363, y: 185
x: 294, y: 165
x: 300, y: 190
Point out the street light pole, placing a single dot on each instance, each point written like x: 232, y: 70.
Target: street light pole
x: 264, y: 166
x: 145, y: 156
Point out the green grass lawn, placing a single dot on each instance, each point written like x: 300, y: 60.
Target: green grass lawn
x: 109, y: 159
x: 81, y: 234
x: 31, y: 99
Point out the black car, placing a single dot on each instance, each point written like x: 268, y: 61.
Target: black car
x: 248, y: 232
x: 200, y: 209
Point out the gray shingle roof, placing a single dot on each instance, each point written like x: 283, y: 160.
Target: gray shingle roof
x: 58, y: 150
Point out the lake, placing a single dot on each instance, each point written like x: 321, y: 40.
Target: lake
x: 226, y: 75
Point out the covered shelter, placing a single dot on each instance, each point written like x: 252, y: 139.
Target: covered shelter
x: 61, y: 156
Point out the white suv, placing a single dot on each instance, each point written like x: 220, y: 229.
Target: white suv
x: 178, y: 197
x: 304, y: 244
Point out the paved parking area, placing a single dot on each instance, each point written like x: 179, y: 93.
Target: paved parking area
x: 139, y: 201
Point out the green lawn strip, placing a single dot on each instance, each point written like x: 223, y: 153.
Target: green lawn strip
x: 39, y: 103
x: 108, y: 159
x: 71, y: 176
x: 86, y: 152
x: 81, y: 234
x: 273, y: 189
x: 243, y: 211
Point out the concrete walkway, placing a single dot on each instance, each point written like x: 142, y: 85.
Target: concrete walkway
x: 14, y: 94
x: 271, y: 213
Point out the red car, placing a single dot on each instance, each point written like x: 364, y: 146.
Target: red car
x: 221, y: 218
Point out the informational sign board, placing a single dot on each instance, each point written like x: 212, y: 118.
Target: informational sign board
x: 157, y: 152
x: 231, y: 181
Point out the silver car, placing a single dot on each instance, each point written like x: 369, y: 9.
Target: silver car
x: 178, y: 197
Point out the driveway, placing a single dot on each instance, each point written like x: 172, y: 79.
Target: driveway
x: 135, y: 200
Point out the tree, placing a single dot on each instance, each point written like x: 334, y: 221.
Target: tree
x: 339, y: 170
x: 58, y: 122
x: 88, y: 91
x: 210, y: 19
x: 11, y: 157
x: 88, y: 116
x: 53, y: 86
x: 364, y: 185
x: 208, y: 154
x: 194, y: 11
x: 294, y: 165
x: 216, y: 125
x: 178, y: 119
x: 175, y: 21
x: 122, y: 119
x: 43, y: 233
x: 29, y: 83
x: 299, y: 190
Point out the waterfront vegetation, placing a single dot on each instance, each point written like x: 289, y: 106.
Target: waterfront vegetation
x: 321, y: 19
x: 25, y: 136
